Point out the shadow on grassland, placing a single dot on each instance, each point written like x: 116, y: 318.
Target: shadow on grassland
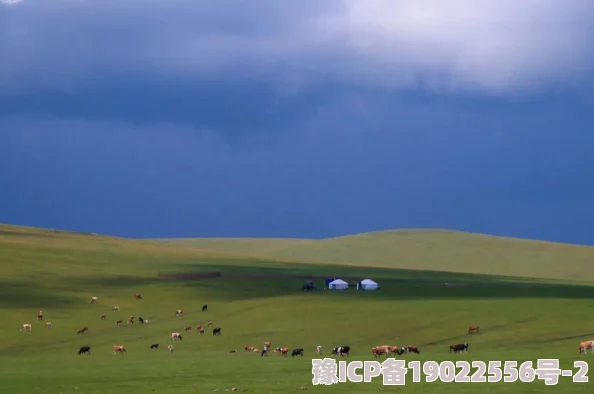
x: 16, y: 294
x: 228, y: 282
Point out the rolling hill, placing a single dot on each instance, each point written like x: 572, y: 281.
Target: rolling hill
x: 433, y: 250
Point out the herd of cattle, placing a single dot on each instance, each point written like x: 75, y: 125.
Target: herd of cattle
x: 339, y: 351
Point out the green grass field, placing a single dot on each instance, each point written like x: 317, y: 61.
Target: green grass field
x: 531, y: 299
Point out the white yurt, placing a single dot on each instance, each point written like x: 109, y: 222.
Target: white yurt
x: 338, y: 284
x: 368, y: 284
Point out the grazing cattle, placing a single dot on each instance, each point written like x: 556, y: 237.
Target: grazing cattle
x: 379, y: 350
x: 116, y: 308
x: 256, y: 350
x: 103, y: 316
x: 131, y: 320
x: 119, y: 349
x: 176, y: 335
x: 40, y: 315
x: 284, y: 351
x: 155, y: 346
x: 48, y: 324
x: 201, y: 330
x: 341, y: 351
x: 83, y: 330
x: 138, y: 296
x: 204, y: 308
x: 297, y: 352
x: 395, y: 349
x: 584, y: 346
x: 473, y: 329
x: 141, y: 320
x: 179, y: 312
x: 216, y: 331
x: 459, y: 348
x: 84, y: 349
x: 118, y: 322
x: 210, y: 322
x: 232, y: 351
x: 93, y: 300
x: 319, y: 349
x: 267, y: 344
x: 248, y: 348
x: 170, y: 348
x: 411, y: 349
x: 26, y: 327
x: 188, y: 328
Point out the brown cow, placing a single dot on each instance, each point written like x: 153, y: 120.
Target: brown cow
x: 283, y: 350
x: 131, y: 320
x: 267, y: 344
x: 411, y: 349
x: 103, y: 316
x: 473, y: 329
x: 40, y: 315
x: 249, y: 348
x: 138, y: 296
x: 188, y: 328
x: 83, y: 330
x: 584, y: 346
x: 379, y: 350
x: 119, y: 349
x: 210, y: 322
x: 179, y: 312
x: 118, y: 322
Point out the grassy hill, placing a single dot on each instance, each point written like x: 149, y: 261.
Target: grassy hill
x: 434, y: 250
x: 257, y: 299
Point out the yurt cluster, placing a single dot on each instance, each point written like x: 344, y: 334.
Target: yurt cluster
x: 339, y: 284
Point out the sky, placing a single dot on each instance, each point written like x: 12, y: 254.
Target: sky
x: 308, y: 119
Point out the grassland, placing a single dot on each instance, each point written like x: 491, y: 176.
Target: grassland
x: 256, y: 298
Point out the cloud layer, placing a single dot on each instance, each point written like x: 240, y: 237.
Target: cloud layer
x: 497, y: 46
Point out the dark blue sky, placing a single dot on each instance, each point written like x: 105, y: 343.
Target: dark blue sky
x: 262, y: 119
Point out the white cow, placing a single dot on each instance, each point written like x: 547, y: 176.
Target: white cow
x: 319, y: 349
x: 26, y: 327
x: 93, y: 300
x: 170, y: 348
x: 48, y: 324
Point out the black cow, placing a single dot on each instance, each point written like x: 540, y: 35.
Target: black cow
x: 155, y: 346
x: 297, y: 352
x: 84, y: 349
x: 204, y: 308
x: 216, y: 331
x: 141, y: 320
x: 459, y: 347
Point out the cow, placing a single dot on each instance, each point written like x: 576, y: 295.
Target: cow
x: 40, y: 315
x: 138, y: 296
x: 284, y: 351
x: 170, y: 348
x: 341, y: 351
x: 201, y: 330
x: 83, y: 330
x: 267, y: 344
x: 119, y: 349
x: 473, y: 329
x: 93, y: 300
x: 264, y: 351
x: 179, y: 312
x: 131, y: 320
x: 103, y: 316
x: 155, y: 346
x: 176, y: 335
x: 210, y: 322
x: 141, y: 320
x: 411, y: 349
x: 26, y: 327
x: 232, y: 351
x: 118, y: 322
x: 116, y: 308
x: 256, y: 350
x: 584, y: 346
x: 188, y: 328
x: 379, y: 350
x: 319, y: 349
x: 48, y: 324
x: 204, y: 308
x: 248, y: 348
x: 216, y: 331
x: 459, y: 348
x: 297, y: 352
x: 84, y: 349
